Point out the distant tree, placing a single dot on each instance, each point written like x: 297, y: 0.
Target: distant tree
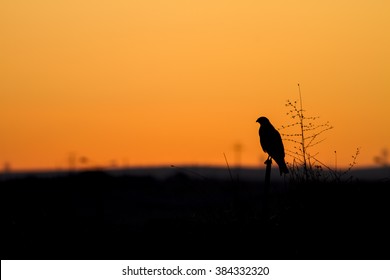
x: 7, y: 167
x: 382, y: 159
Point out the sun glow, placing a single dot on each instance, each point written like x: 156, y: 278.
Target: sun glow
x: 182, y: 82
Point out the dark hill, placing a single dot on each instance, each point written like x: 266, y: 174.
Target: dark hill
x: 100, y: 215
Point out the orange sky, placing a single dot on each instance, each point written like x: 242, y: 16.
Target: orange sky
x: 180, y: 82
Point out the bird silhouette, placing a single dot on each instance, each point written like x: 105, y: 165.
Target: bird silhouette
x: 271, y: 143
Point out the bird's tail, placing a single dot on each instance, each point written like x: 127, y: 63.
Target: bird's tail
x: 282, y: 167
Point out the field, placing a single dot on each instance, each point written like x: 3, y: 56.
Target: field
x: 95, y: 215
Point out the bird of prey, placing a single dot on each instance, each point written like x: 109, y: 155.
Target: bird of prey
x: 271, y: 143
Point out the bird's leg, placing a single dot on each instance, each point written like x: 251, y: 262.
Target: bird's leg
x: 269, y: 160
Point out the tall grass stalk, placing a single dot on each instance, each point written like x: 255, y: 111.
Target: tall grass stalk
x: 227, y: 164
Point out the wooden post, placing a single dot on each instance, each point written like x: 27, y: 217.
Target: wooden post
x: 268, y: 163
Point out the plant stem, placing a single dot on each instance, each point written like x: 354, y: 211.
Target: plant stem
x: 302, y: 133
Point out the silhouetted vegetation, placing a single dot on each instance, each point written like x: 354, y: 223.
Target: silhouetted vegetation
x: 93, y: 215
x: 305, y: 132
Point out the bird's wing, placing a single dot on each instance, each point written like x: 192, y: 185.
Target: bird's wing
x: 264, y: 139
x: 275, y: 147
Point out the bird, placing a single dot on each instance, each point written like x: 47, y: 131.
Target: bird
x: 271, y: 143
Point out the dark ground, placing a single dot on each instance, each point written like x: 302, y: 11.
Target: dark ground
x: 93, y: 215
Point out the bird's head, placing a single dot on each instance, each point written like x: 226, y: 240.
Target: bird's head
x: 263, y: 120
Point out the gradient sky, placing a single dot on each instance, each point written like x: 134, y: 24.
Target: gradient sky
x: 153, y: 82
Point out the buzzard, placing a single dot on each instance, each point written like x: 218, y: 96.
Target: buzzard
x: 272, y: 144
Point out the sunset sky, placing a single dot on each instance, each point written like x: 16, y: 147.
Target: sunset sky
x: 151, y: 82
